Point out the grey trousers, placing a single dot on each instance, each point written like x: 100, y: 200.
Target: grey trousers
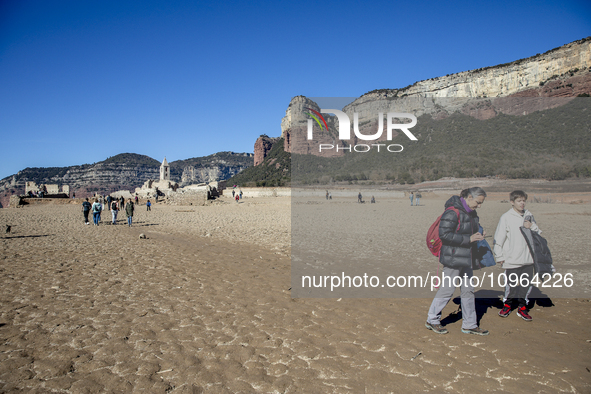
x: 446, y: 292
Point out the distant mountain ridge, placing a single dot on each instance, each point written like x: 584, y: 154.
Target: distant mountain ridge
x: 502, y: 80
x: 126, y: 171
x: 555, y: 76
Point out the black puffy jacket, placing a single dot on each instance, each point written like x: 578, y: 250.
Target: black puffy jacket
x: 456, y: 250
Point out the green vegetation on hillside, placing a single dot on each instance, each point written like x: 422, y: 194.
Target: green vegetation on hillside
x: 275, y: 170
x: 131, y: 159
x: 55, y: 174
x: 38, y: 174
x: 552, y: 144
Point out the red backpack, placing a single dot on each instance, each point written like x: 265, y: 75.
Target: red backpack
x: 433, y: 240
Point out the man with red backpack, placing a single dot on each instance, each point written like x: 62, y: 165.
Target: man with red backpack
x: 458, y: 231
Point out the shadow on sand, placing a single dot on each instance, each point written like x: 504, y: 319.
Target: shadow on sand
x: 493, y: 299
x: 135, y: 224
x: 26, y: 236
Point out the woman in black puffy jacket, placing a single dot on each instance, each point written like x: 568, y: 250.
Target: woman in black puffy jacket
x: 458, y: 231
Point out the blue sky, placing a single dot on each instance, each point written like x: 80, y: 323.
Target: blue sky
x: 84, y: 80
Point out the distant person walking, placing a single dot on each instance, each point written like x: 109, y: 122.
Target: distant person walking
x: 109, y: 200
x: 136, y: 200
x: 418, y: 198
x: 121, y: 203
x: 233, y: 193
x: 86, y: 207
x: 236, y: 198
x: 411, y: 195
x: 148, y: 206
x: 241, y: 194
x: 359, y: 198
x: 96, y: 211
x: 102, y: 202
x: 327, y: 194
x: 129, y: 211
x: 114, y: 210
x: 373, y: 200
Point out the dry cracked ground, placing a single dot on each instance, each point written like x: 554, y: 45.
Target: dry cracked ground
x: 203, y: 306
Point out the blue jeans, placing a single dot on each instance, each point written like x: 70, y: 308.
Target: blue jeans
x: 129, y: 218
x: 95, y: 217
x: 417, y: 201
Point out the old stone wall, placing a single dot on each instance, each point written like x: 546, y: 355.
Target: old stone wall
x: 15, y: 202
x: 49, y: 189
x: 188, y: 197
x: 31, y: 187
x: 52, y: 189
x: 254, y: 192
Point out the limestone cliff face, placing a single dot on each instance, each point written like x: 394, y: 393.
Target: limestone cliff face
x: 192, y: 175
x: 78, y: 176
x: 559, y: 74
x: 294, y: 127
x: 219, y: 166
x: 83, y: 180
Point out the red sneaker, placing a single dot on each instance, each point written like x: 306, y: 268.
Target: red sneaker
x: 523, y: 313
x: 506, y: 311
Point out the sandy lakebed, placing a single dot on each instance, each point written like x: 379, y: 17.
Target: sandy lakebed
x: 203, y: 305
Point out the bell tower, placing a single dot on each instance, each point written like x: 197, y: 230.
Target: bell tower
x: 164, y: 171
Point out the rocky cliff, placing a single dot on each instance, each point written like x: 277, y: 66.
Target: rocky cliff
x: 126, y: 172
x: 262, y: 147
x: 273, y: 170
x: 294, y: 126
x: 219, y: 166
x: 483, y: 93
x: 529, y: 74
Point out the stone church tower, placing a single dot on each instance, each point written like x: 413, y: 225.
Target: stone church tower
x: 164, y: 171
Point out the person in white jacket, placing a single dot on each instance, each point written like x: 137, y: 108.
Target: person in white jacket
x: 511, y: 250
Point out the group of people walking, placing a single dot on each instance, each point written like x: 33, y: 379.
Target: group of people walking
x: 236, y: 195
x: 114, y: 204
x: 460, y: 231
